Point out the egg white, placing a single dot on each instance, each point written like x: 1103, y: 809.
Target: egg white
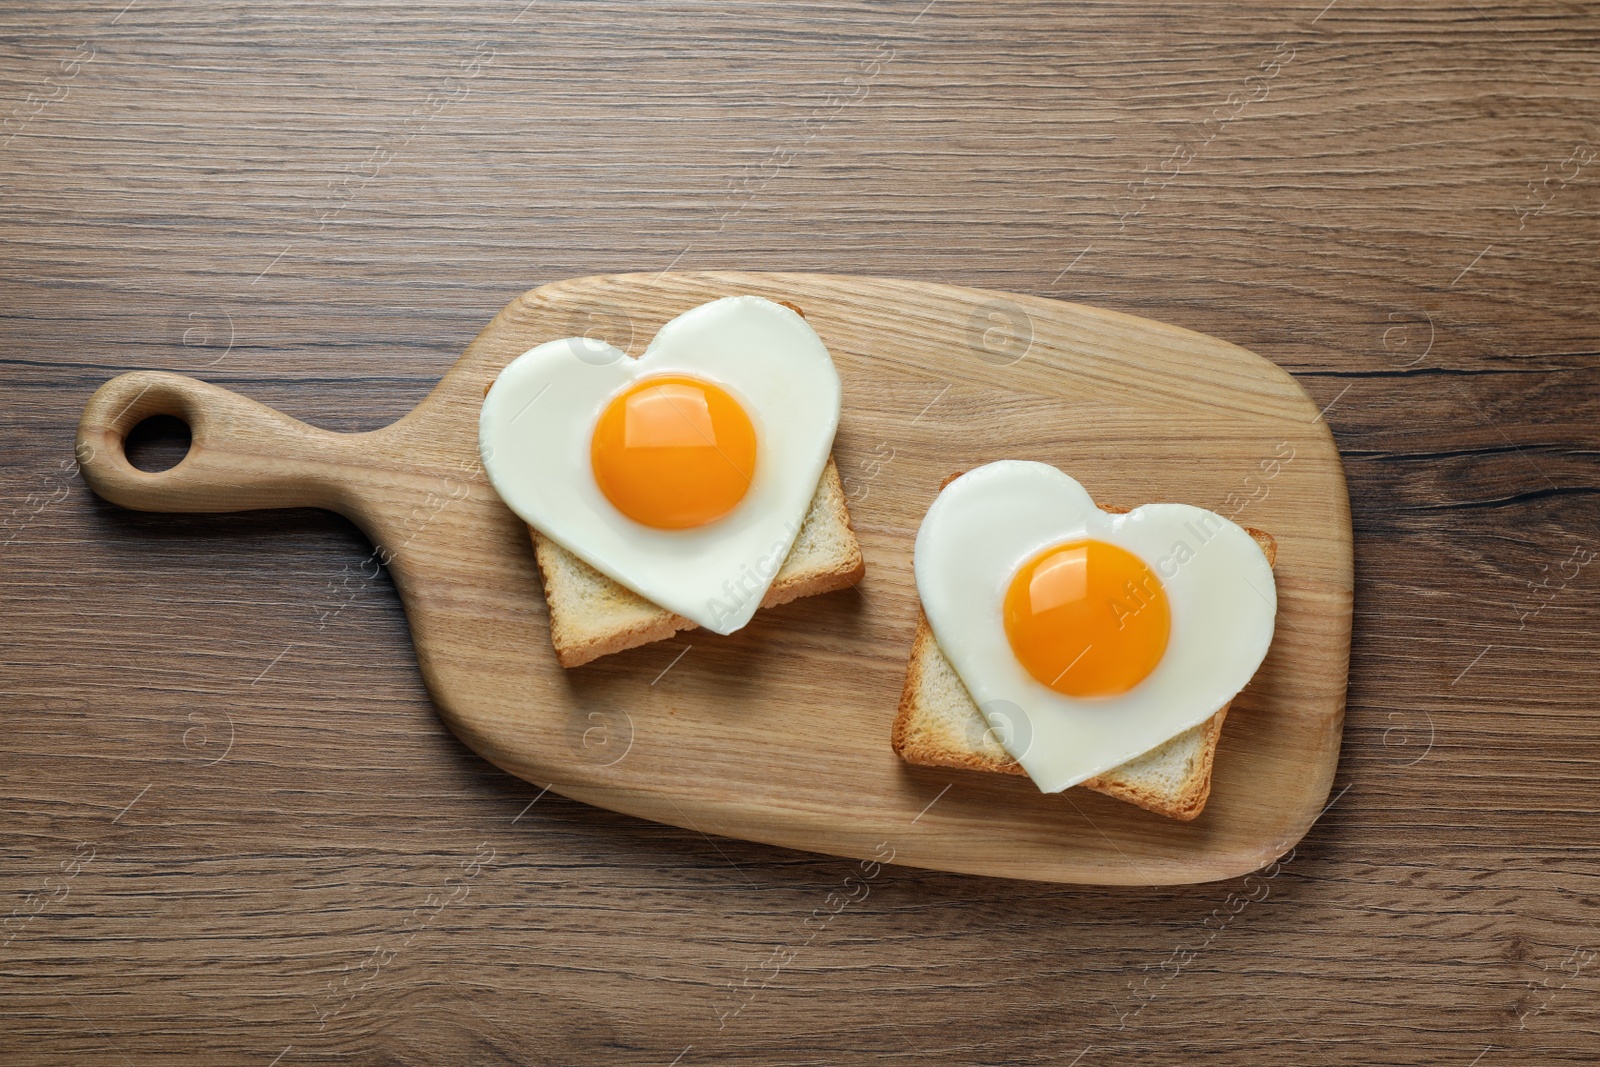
x: 1218, y: 584
x: 537, y: 422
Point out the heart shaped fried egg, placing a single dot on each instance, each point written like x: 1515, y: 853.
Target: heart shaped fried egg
x: 1087, y: 638
x: 685, y: 474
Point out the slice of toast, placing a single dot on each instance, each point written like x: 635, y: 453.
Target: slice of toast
x: 938, y: 725
x: 592, y: 616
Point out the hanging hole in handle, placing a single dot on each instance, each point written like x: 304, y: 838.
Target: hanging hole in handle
x: 158, y: 443
x: 115, y: 430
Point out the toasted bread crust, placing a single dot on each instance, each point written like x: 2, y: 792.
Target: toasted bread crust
x: 573, y: 647
x: 919, y: 750
x: 577, y: 644
x: 843, y: 572
x: 915, y: 746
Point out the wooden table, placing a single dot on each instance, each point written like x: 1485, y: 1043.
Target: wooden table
x: 235, y: 828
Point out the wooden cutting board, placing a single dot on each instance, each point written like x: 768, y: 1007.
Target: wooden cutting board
x: 780, y: 733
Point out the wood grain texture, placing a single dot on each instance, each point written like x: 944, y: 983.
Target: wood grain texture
x: 227, y: 709
x: 781, y: 732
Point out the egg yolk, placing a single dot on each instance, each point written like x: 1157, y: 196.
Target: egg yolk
x: 1087, y: 619
x: 674, y: 452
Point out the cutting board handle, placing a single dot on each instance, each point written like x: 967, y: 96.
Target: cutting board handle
x: 243, y: 455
